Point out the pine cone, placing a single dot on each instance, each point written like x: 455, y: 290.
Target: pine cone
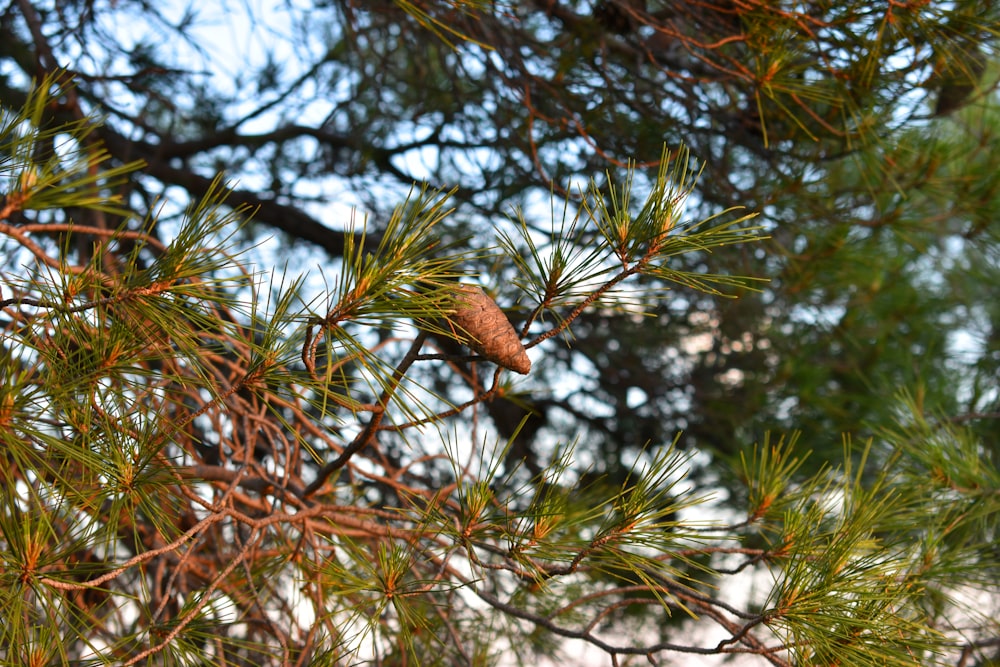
x: 485, y: 329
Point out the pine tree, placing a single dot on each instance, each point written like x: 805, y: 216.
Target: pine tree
x: 212, y: 460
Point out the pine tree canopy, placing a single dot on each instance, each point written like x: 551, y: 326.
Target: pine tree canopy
x: 455, y: 332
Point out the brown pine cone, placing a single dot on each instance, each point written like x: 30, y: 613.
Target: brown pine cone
x: 484, y: 328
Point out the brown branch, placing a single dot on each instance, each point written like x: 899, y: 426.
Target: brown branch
x: 583, y: 305
x: 366, y: 435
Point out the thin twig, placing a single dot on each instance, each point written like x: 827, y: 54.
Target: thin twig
x: 378, y: 413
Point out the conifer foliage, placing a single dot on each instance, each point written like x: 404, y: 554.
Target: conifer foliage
x: 424, y: 445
